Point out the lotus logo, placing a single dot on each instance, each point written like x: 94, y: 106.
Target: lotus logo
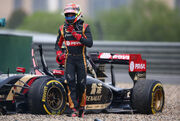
x: 67, y: 43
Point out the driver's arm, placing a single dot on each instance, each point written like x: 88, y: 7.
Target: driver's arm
x: 87, y: 41
x: 59, y: 41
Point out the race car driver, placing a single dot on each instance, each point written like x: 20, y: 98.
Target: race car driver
x: 77, y: 36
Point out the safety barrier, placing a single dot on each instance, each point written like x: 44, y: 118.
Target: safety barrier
x: 162, y: 57
x: 15, y: 50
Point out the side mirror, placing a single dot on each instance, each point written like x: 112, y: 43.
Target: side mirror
x: 21, y: 70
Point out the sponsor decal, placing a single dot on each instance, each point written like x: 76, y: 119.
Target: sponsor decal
x: 105, y: 56
x: 73, y: 43
x: 44, y: 94
x: 97, y: 106
x: 140, y: 66
x: 137, y: 66
x: 96, y: 92
x: 131, y: 66
x: 67, y: 43
x: 121, y: 56
x: 96, y: 88
x: 58, y: 72
x: 94, y: 98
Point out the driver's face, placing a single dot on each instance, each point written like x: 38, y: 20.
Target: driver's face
x: 70, y: 14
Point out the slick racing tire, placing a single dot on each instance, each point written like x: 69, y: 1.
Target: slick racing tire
x: 47, y: 96
x: 148, y: 96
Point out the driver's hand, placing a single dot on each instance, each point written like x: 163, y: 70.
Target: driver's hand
x: 59, y: 52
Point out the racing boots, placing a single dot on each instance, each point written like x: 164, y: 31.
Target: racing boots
x: 73, y: 113
x: 81, y: 112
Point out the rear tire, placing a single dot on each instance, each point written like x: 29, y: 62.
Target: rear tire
x: 148, y: 96
x: 47, y: 96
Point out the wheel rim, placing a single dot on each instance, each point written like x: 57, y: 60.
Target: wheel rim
x: 54, y: 98
x: 158, y: 99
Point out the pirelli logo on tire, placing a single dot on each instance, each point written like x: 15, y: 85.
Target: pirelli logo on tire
x: 44, y: 94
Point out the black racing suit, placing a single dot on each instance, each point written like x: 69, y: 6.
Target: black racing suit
x: 75, y: 64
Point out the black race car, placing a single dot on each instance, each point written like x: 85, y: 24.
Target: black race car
x: 44, y: 92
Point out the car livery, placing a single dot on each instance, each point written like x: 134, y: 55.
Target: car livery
x: 45, y: 91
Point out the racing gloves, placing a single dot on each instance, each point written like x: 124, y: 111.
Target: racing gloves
x: 58, y: 52
x: 75, y: 34
x: 60, y: 57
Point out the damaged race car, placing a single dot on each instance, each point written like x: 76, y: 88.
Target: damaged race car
x: 44, y: 92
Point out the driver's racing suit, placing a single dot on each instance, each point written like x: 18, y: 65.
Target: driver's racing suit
x: 75, y: 64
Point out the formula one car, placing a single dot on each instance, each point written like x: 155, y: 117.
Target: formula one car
x: 44, y: 92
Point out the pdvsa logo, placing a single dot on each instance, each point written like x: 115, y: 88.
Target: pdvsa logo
x: 133, y: 66
x: 73, y: 43
x: 140, y: 66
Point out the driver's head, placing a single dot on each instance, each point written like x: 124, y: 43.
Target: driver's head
x: 72, y: 13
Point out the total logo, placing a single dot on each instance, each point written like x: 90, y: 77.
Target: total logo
x: 136, y: 66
